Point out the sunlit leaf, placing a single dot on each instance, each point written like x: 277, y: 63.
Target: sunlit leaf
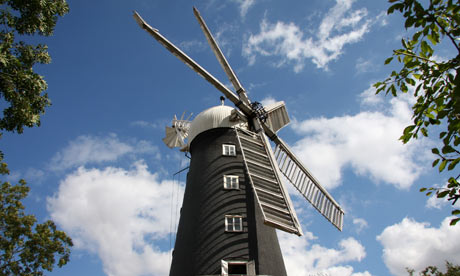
x: 442, y: 165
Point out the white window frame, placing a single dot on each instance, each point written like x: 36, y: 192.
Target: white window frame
x: 231, y: 221
x: 250, y: 267
x: 231, y: 182
x: 228, y: 150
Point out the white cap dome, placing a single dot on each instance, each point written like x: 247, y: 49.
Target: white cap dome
x: 214, y: 117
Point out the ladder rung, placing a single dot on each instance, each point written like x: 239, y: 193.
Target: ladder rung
x: 255, y: 152
x: 273, y: 207
x: 252, y: 140
x: 268, y: 192
x: 264, y: 178
x: 260, y: 165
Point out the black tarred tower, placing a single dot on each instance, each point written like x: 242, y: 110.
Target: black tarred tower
x: 234, y: 197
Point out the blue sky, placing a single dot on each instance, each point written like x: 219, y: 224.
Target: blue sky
x: 98, y: 168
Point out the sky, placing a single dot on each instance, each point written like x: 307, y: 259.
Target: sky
x: 97, y: 165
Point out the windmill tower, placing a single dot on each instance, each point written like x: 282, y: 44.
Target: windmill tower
x: 234, y: 197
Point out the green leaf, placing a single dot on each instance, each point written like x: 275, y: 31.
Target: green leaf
x: 422, y: 189
x: 456, y: 212
x: 432, y: 39
x: 453, y: 164
x: 442, y: 194
x: 447, y: 149
x: 454, y: 221
x: 424, y: 46
x: 392, y: 8
x: 410, y: 81
x: 435, y: 162
x: 442, y: 165
x: 435, y: 151
x: 409, y: 129
x: 393, y: 90
x: 409, y: 22
x: 424, y: 131
x: 388, y: 60
x: 416, y: 36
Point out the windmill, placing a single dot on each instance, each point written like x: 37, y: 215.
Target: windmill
x: 234, y: 197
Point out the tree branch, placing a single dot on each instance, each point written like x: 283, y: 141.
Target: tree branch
x: 415, y: 56
x: 446, y: 33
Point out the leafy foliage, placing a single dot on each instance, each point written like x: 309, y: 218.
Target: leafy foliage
x: 21, y: 89
x: 434, y: 82
x: 27, y: 250
x: 452, y: 270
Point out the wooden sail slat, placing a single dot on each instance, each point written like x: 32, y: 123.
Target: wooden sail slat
x: 269, y: 191
x: 307, y: 185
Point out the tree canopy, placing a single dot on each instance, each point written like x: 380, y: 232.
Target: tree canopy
x: 434, y: 81
x: 26, y: 247
x: 21, y: 89
x: 451, y: 270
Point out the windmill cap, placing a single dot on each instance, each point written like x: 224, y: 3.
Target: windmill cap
x: 215, y: 117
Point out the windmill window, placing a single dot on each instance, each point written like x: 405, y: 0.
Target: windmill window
x: 228, y: 150
x: 235, y: 267
x: 233, y: 223
x: 231, y: 182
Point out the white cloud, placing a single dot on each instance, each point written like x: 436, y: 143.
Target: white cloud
x: 434, y: 202
x: 268, y: 101
x: 153, y: 125
x: 34, y: 175
x: 364, y: 66
x: 244, y: 6
x: 301, y: 259
x: 96, y: 150
x: 360, y: 223
x: 193, y: 45
x: 118, y: 214
x: 339, y: 27
x: 368, y: 98
x: 416, y: 245
x: 367, y: 142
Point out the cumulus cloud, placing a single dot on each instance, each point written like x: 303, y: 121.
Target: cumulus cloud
x: 119, y: 215
x: 301, y: 259
x: 416, y: 245
x: 339, y: 27
x: 88, y: 149
x: 367, y: 142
